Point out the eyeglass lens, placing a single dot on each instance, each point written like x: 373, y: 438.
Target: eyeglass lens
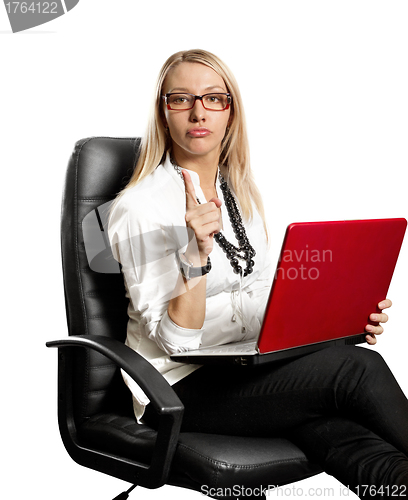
x: 186, y: 101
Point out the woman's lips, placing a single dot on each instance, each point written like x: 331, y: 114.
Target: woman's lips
x: 198, y: 132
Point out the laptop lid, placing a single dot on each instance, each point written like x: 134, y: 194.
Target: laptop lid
x: 329, y: 279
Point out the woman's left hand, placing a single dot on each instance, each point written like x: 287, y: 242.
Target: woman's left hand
x: 380, y: 318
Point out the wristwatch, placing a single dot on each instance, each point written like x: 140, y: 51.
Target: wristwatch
x: 187, y: 269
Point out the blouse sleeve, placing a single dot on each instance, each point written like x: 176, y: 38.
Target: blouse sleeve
x: 145, y: 251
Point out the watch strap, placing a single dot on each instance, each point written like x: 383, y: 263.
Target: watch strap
x: 189, y: 271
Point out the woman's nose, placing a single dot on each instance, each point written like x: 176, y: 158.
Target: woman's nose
x: 197, y: 111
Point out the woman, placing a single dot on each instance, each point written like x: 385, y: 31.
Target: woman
x: 342, y: 406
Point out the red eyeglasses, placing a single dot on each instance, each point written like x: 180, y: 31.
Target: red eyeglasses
x: 212, y: 102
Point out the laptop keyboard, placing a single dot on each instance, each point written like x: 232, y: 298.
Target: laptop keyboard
x: 236, y: 348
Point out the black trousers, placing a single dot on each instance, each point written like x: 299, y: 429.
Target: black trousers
x: 342, y: 406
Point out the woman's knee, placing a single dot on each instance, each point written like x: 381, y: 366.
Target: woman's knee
x: 356, y: 368
x: 360, y: 359
x: 370, y: 361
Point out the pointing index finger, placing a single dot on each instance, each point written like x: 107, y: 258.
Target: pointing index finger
x: 191, y: 198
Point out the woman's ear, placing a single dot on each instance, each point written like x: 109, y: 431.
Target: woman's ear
x: 230, y: 120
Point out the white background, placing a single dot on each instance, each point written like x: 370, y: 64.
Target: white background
x: 325, y: 88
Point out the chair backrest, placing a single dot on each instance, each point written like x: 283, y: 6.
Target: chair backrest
x: 95, y: 300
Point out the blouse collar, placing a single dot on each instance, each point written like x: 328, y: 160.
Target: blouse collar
x: 194, y: 177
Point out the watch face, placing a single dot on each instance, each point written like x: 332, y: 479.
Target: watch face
x: 184, y: 265
x: 187, y: 268
x: 185, y: 261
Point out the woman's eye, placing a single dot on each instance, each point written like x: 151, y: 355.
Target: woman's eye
x: 212, y: 98
x: 179, y: 99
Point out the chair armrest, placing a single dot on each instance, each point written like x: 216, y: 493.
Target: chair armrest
x: 155, y: 386
x: 162, y: 397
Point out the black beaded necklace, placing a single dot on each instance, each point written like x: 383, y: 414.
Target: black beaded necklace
x: 244, y: 251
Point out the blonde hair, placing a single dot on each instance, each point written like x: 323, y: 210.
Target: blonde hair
x: 234, y: 156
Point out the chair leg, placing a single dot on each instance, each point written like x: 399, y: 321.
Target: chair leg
x: 125, y: 494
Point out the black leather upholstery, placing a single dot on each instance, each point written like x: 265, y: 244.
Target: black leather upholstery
x: 95, y: 302
x: 212, y: 460
x: 95, y: 412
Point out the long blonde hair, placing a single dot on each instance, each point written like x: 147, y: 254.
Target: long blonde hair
x: 234, y: 156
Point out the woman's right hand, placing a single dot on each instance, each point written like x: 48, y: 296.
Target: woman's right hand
x: 204, y: 220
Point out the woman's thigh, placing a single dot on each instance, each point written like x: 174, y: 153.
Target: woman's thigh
x: 270, y: 399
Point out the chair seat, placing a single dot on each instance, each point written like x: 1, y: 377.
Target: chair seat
x: 204, y: 460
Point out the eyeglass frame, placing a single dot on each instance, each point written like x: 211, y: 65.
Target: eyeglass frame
x: 200, y: 97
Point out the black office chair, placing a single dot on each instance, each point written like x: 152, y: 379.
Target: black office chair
x: 95, y: 412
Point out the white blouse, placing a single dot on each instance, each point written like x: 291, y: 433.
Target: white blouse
x: 146, y: 227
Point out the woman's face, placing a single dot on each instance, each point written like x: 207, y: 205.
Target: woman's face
x: 196, y: 131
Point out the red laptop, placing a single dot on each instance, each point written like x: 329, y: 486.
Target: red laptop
x: 329, y: 278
